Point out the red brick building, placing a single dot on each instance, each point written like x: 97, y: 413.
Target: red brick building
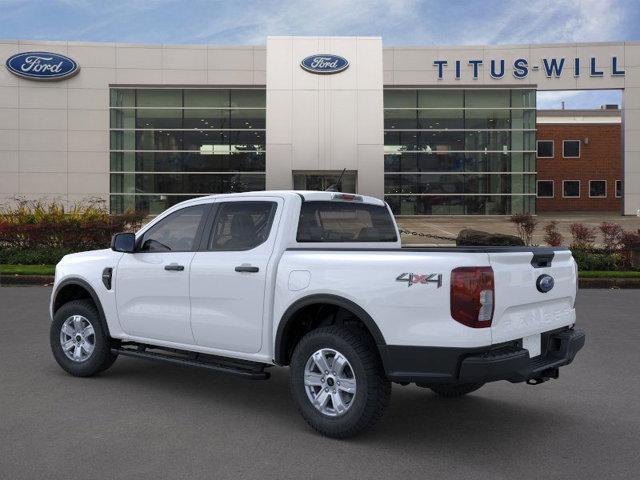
x: 579, y: 160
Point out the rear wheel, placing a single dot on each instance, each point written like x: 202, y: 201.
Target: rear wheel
x: 78, y: 342
x: 451, y: 390
x: 338, y: 382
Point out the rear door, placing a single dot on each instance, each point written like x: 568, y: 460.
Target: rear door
x: 522, y: 309
x: 228, y: 275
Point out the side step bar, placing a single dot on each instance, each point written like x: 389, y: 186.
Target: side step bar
x: 250, y: 370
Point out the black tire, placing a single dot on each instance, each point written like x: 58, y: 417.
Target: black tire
x: 373, y: 389
x: 100, y: 358
x: 452, y: 390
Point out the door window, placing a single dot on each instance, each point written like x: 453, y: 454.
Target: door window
x: 241, y: 225
x: 174, y: 233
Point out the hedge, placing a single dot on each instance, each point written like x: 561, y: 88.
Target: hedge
x: 42, y: 233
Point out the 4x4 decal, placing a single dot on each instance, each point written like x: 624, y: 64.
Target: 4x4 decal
x: 413, y: 278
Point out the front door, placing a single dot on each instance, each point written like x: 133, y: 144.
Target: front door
x: 228, y: 277
x: 152, y: 284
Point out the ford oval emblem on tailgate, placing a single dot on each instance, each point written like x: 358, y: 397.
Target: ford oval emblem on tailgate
x: 544, y: 283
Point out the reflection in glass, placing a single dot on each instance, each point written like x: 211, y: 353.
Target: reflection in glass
x: 489, y: 134
x: 172, y: 144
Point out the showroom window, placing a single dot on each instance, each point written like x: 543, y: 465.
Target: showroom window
x: 618, y: 188
x: 571, y: 188
x: 168, y: 145
x: 571, y: 149
x: 460, y: 151
x: 597, y: 188
x: 314, y: 180
x: 545, y: 188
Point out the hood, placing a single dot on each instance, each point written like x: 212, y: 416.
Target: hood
x: 89, y: 255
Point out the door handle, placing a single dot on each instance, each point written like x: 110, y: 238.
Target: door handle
x: 247, y: 268
x: 174, y: 267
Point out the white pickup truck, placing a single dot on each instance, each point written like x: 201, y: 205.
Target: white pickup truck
x: 317, y: 281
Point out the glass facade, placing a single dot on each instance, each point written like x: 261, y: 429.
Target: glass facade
x: 322, y: 180
x: 168, y: 145
x: 460, y: 152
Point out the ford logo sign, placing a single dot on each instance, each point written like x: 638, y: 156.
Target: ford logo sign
x: 42, y: 66
x: 544, y: 283
x: 324, y: 63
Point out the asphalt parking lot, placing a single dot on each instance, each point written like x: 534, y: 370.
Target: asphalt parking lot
x: 149, y: 420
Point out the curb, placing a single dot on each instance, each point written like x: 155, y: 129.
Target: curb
x: 608, y: 282
x: 13, y: 280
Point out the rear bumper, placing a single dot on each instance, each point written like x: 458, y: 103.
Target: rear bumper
x: 506, y: 361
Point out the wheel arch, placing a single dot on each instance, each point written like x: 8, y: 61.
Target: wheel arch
x: 76, y: 289
x: 290, y: 318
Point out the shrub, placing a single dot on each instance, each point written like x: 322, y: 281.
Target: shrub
x: 551, y: 234
x: 611, y: 235
x: 32, y: 256
x: 525, y: 226
x: 583, y: 236
x: 37, y: 232
x: 630, y: 248
x: 589, y: 260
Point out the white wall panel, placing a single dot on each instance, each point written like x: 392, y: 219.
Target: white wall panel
x: 332, y: 115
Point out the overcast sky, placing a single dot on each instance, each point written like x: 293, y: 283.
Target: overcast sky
x: 399, y: 22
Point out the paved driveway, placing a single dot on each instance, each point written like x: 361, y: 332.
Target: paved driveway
x: 148, y: 420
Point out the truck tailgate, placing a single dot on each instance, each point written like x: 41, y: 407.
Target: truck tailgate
x: 521, y: 309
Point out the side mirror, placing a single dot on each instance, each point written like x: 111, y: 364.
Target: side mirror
x: 124, y: 242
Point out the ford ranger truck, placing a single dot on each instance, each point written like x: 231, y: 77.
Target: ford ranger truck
x: 318, y: 282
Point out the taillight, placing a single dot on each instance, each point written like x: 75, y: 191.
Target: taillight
x: 472, y: 296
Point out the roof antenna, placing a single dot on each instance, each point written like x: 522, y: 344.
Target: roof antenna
x: 336, y: 187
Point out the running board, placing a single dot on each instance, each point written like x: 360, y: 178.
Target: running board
x: 250, y: 370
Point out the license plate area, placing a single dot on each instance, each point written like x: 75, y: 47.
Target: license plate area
x: 533, y: 343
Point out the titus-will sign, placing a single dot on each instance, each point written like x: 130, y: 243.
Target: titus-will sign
x: 42, y: 66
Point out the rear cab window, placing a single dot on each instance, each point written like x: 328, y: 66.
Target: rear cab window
x: 343, y: 221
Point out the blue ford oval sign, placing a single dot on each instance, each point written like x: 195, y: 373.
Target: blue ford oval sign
x: 544, y: 283
x: 324, y: 63
x: 42, y: 66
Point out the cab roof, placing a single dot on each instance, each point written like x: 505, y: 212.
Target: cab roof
x: 309, y: 195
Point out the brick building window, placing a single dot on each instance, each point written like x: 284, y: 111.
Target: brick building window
x: 618, y: 188
x: 571, y: 149
x: 545, y: 188
x: 545, y: 149
x: 597, y: 188
x: 571, y: 188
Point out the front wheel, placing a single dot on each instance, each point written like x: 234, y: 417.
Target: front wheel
x: 78, y: 342
x: 338, y: 382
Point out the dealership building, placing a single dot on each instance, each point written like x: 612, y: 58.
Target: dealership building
x: 432, y: 130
